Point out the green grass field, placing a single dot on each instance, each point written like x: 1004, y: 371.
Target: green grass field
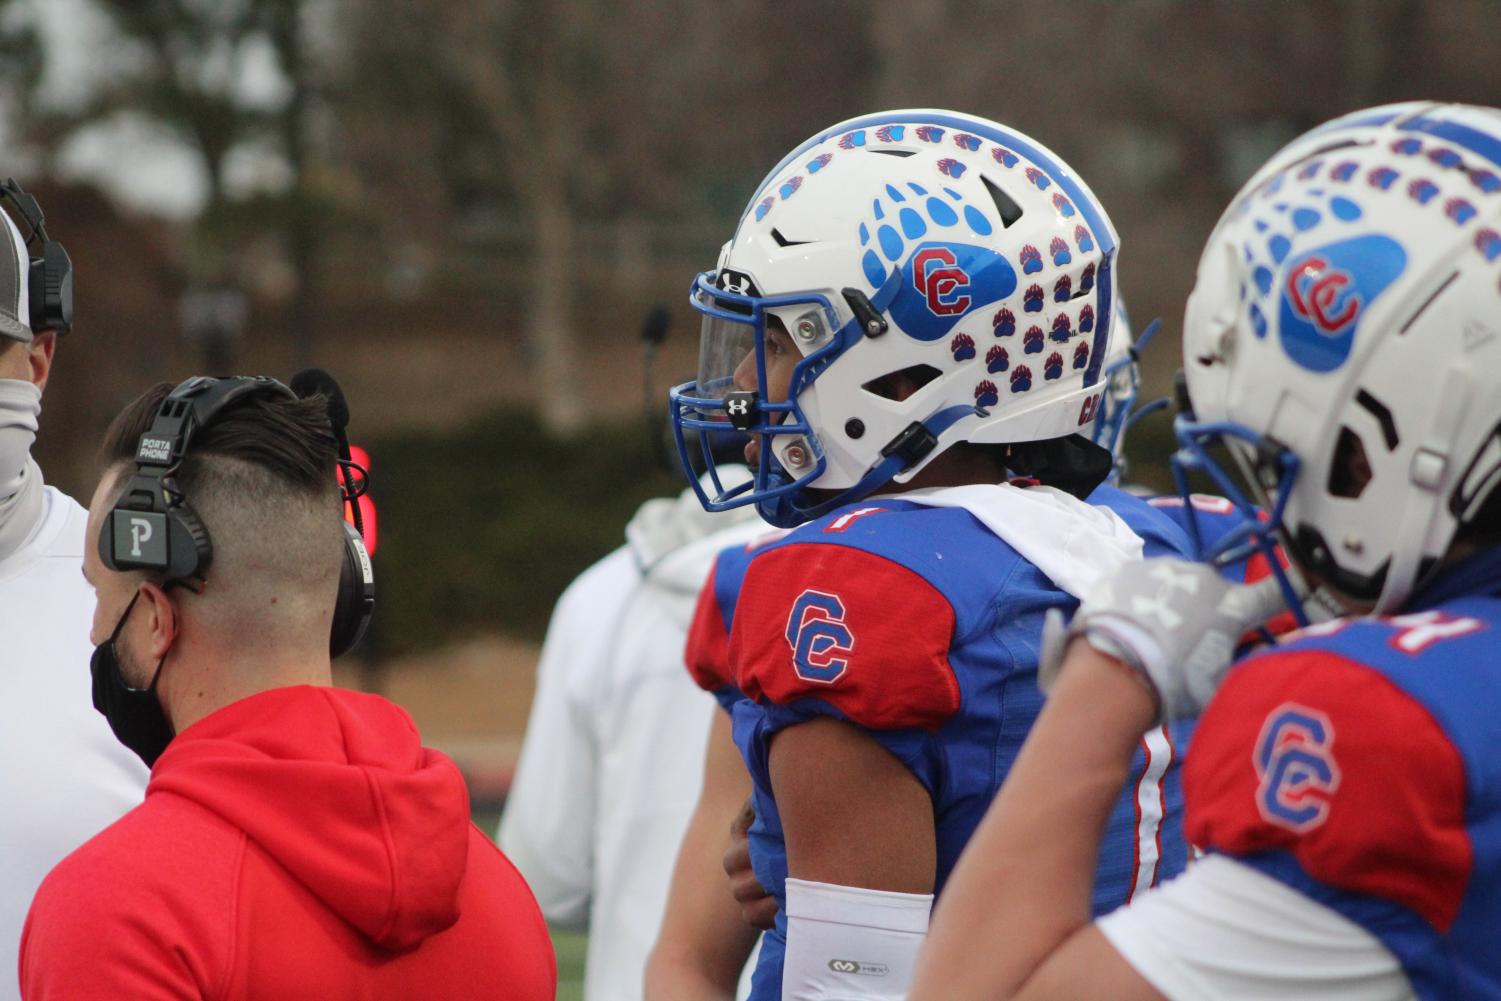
x: 569, y: 947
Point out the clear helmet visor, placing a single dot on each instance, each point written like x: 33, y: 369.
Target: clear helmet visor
x: 725, y: 344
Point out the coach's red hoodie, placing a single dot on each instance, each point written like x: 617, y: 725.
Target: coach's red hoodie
x: 300, y: 843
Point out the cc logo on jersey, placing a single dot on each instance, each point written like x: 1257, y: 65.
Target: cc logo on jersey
x: 821, y: 642
x: 1296, y: 767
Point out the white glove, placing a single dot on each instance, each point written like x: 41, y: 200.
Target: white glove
x: 1175, y: 623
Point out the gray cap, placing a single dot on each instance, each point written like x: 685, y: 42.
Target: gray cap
x: 15, y: 272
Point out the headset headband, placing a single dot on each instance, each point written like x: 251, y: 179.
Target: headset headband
x: 152, y: 526
x: 50, y: 275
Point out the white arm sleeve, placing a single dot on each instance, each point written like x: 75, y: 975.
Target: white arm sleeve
x: 846, y: 943
x: 1224, y: 930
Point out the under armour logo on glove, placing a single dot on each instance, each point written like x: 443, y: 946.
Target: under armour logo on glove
x: 1174, y: 622
x: 1159, y: 605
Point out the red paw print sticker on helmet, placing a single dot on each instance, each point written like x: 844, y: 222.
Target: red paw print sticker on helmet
x: 966, y: 141
x: 1060, y: 253
x: 1086, y: 280
x: 1053, y: 367
x: 1021, y: 379
x: 996, y: 360
x: 1032, y: 341
x: 1063, y: 289
x: 1081, y: 355
x: 1004, y: 322
x: 986, y: 394
x: 1032, y: 299
x: 1004, y: 157
x: 1038, y: 178
x: 1086, y: 320
x: 1063, y: 327
x: 963, y: 347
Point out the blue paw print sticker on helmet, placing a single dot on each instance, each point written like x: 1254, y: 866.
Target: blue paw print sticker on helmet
x: 1004, y: 322
x: 1086, y: 320
x: 986, y: 394
x: 925, y: 259
x: 1063, y: 289
x: 962, y: 347
x: 1032, y: 299
x: 1032, y: 341
x: 1060, y: 253
x: 1063, y: 327
x: 1030, y: 258
x: 1021, y: 379
x: 1053, y: 367
x: 1081, y: 355
x: 1317, y: 273
x: 996, y: 359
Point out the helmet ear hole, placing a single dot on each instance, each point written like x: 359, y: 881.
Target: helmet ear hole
x: 1350, y: 468
x: 902, y: 383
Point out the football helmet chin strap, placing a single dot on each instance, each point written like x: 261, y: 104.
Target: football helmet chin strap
x: 847, y: 943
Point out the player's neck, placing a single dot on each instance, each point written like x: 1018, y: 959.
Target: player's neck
x: 957, y: 467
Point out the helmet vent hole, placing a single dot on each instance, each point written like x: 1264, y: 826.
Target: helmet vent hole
x: 782, y: 241
x: 1383, y: 416
x: 1350, y: 470
x: 901, y: 384
x: 893, y: 152
x: 1004, y: 203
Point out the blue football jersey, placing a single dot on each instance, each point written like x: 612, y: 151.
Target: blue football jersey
x: 1359, y: 762
x: 921, y: 626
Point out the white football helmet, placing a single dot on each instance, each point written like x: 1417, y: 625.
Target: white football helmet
x: 1344, y: 341
x: 928, y: 242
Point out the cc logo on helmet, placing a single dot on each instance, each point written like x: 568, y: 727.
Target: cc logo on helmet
x: 1322, y: 294
x: 937, y: 275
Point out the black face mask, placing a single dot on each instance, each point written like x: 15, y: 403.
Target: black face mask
x: 134, y: 714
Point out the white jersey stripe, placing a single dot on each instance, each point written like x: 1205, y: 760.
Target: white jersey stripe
x: 1150, y: 807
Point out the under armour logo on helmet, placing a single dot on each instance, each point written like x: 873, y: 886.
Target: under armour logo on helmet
x: 741, y: 408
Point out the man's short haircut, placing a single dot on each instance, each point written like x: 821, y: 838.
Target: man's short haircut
x: 289, y: 439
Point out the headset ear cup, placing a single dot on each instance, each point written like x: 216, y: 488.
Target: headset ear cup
x: 355, y: 603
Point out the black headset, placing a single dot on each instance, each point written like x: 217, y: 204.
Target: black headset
x: 153, y: 527
x: 49, y: 284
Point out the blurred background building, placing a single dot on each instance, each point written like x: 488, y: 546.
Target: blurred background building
x: 466, y: 209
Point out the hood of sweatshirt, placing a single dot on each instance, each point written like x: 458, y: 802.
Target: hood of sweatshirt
x: 674, y: 541
x: 337, y: 787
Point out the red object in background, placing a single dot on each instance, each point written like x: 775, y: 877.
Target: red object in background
x: 361, y: 458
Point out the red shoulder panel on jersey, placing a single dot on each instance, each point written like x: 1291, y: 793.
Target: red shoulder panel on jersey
x: 707, y: 651
x: 863, y: 633
x: 1309, y: 752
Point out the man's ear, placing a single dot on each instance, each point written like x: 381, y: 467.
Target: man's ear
x: 160, y: 617
x: 39, y: 354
